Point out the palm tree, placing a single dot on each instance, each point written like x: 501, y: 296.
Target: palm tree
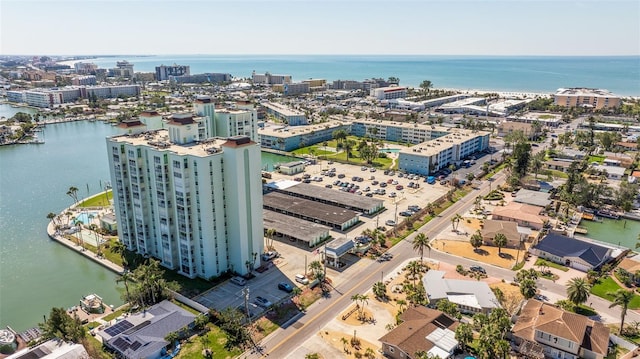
x: 420, y: 242
x: 528, y: 288
x: 476, y: 240
x: 316, y: 268
x: 125, y: 278
x: 464, y: 335
x: 500, y: 240
x: 578, y: 290
x: 270, y: 234
x: 414, y: 269
x: 78, y: 223
x: 119, y: 248
x: 380, y: 290
x: 622, y: 298
x: 73, y: 193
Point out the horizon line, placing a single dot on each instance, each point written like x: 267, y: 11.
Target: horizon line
x: 320, y: 54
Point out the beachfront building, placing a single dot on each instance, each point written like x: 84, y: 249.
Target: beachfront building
x: 123, y: 69
x: 586, y: 97
x: 433, y: 155
x: 164, y: 72
x: 270, y: 79
x: 285, y: 114
x: 16, y: 96
x: 397, y: 131
x: 208, y: 77
x: 284, y: 138
x: 297, y: 88
x: 196, y: 206
x: 388, y: 93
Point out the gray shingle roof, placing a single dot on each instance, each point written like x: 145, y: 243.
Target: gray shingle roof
x: 564, y: 247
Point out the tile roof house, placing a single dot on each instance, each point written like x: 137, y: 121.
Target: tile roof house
x: 422, y: 329
x: 571, y: 252
x: 523, y: 214
x: 141, y: 335
x: 544, y: 330
x: 491, y: 227
x: 471, y: 296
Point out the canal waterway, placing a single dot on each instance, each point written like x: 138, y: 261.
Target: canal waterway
x: 622, y: 232
x: 37, y: 273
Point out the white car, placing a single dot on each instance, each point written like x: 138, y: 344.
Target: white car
x: 390, y: 222
x: 302, y: 279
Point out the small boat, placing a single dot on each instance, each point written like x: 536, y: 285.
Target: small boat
x: 608, y: 214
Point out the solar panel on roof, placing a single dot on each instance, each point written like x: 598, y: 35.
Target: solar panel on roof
x: 135, y: 346
x: 118, y: 328
x: 120, y: 344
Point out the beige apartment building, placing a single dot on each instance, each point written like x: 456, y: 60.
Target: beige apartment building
x: 586, y: 97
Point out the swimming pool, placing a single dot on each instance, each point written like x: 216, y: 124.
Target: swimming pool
x: 84, y: 216
x: 389, y: 150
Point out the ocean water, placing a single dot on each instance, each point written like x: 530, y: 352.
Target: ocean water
x: 619, y: 74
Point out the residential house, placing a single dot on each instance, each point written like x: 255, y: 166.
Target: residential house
x: 524, y: 215
x: 558, y: 165
x: 534, y: 198
x: 52, y: 349
x: 141, y: 335
x: 422, y: 329
x: 571, y: 252
x: 471, y: 296
x: 612, y: 172
x: 632, y: 266
x: 545, y: 331
x: 507, y: 127
x: 510, y: 229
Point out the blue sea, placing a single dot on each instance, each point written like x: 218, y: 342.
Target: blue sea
x: 618, y: 74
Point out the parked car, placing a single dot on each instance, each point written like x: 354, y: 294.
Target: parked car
x: 239, y: 281
x: 285, y: 287
x: 477, y: 269
x: 383, y: 184
x: 267, y: 256
x: 413, y: 207
x: 328, y: 186
x: 263, y: 302
x: 392, y: 194
x: 399, y: 187
x: 406, y: 213
x: 390, y: 222
x: 302, y: 279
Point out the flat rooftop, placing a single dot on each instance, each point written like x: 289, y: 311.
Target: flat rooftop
x: 308, y: 208
x: 435, y: 146
x: 581, y: 91
x: 290, y: 131
x: 282, y: 109
x: 331, y: 196
x: 160, y: 140
x: 292, y: 226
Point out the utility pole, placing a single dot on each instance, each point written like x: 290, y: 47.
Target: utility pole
x: 245, y: 293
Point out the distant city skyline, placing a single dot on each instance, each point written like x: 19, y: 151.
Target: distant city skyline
x: 354, y: 27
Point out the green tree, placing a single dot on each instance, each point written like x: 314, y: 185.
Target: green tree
x: 528, y: 288
x: 414, y: 269
x: 317, y: 269
x: 339, y: 135
x: 73, y: 193
x: 522, y: 155
x: 380, y: 290
x: 622, y: 298
x: 445, y: 306
x: 420, y: 242
x: 464, y: 335
x: 62, y: 326
x: 270, y: 234
x: 476, y: 240
x: 119, y: 248
x: 536, y: 162
x: 578, y: 290
x: 426, y: 87
x: 500, y: 240
x: 126, y: 277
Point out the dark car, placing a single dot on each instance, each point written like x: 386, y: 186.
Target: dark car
x: 477, y: 269
x: 285, y: 286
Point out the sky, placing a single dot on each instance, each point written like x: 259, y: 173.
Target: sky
x: 394, y: 27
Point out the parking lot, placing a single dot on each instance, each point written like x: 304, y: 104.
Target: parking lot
x: 293, y: 259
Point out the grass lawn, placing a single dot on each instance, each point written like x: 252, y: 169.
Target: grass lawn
x: 213, y: 339
x: 607, y: 286
x: 546, y: 117
x: 98, y: 200
x: 115, y: 314
x: 558, y: 174
x: 542, y: 262
x: 594, y: 158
